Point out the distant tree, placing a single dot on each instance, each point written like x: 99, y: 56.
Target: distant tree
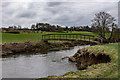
x: 102, y: 23
x: 71, y: 29
x: 66, y: 29
x: 47, y: 27
x: 86, y: 28
x: 15, y: 27
x: 118, y: 34
x: 19, y: 27
x: 59, y: 28
x: 37, y: 26
x: 33, y: 27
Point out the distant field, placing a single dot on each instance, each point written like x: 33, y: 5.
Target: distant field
x: 9, y: 38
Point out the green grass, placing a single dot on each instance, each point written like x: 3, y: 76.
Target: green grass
x: 102, y: 70
x: 9, y: 38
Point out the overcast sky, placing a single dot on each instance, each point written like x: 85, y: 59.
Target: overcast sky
x: 64, y: 13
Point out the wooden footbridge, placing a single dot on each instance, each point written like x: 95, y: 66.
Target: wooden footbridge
x: 68, y: 37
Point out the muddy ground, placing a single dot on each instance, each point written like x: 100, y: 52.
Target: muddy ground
x: 41, y: 46
x: 86, y: 57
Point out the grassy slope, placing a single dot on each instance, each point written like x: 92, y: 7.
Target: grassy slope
x: 102, y: 70
x: 8, y: 38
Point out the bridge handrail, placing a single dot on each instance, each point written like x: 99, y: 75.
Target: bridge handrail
x: 69, y: 34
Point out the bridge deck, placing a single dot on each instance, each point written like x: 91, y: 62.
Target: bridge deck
x: 68, y: 37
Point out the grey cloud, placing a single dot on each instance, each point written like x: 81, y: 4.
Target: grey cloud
x: 62, y: 13
x: 5, y: 4
x: 52, y: 4
x: 27, y: 15
x: 69, y: 21
x: 119, y: 14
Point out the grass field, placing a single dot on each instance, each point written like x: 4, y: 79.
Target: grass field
x: 9, y: 38
x: 102, y: 70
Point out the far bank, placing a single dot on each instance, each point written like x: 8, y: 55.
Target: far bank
x: 40, y: 46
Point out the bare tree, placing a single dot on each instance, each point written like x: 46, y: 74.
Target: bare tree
x: 102, y: 24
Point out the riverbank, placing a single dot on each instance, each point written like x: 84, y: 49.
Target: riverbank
x: 99, y: 70
x: 40, y: 46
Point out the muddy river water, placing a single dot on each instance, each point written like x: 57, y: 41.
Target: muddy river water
x: 39, y: 65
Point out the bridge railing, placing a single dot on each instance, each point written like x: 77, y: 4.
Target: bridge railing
x: 67, y: 36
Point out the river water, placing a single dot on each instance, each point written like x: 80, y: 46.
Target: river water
x: 40, y: 65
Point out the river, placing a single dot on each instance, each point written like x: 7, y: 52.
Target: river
x: 39, y: 65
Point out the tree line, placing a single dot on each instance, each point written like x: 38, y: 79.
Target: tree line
x: 52, y: 28
x: 57, y: 28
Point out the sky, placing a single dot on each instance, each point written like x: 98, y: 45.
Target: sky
x: 62, y: 12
